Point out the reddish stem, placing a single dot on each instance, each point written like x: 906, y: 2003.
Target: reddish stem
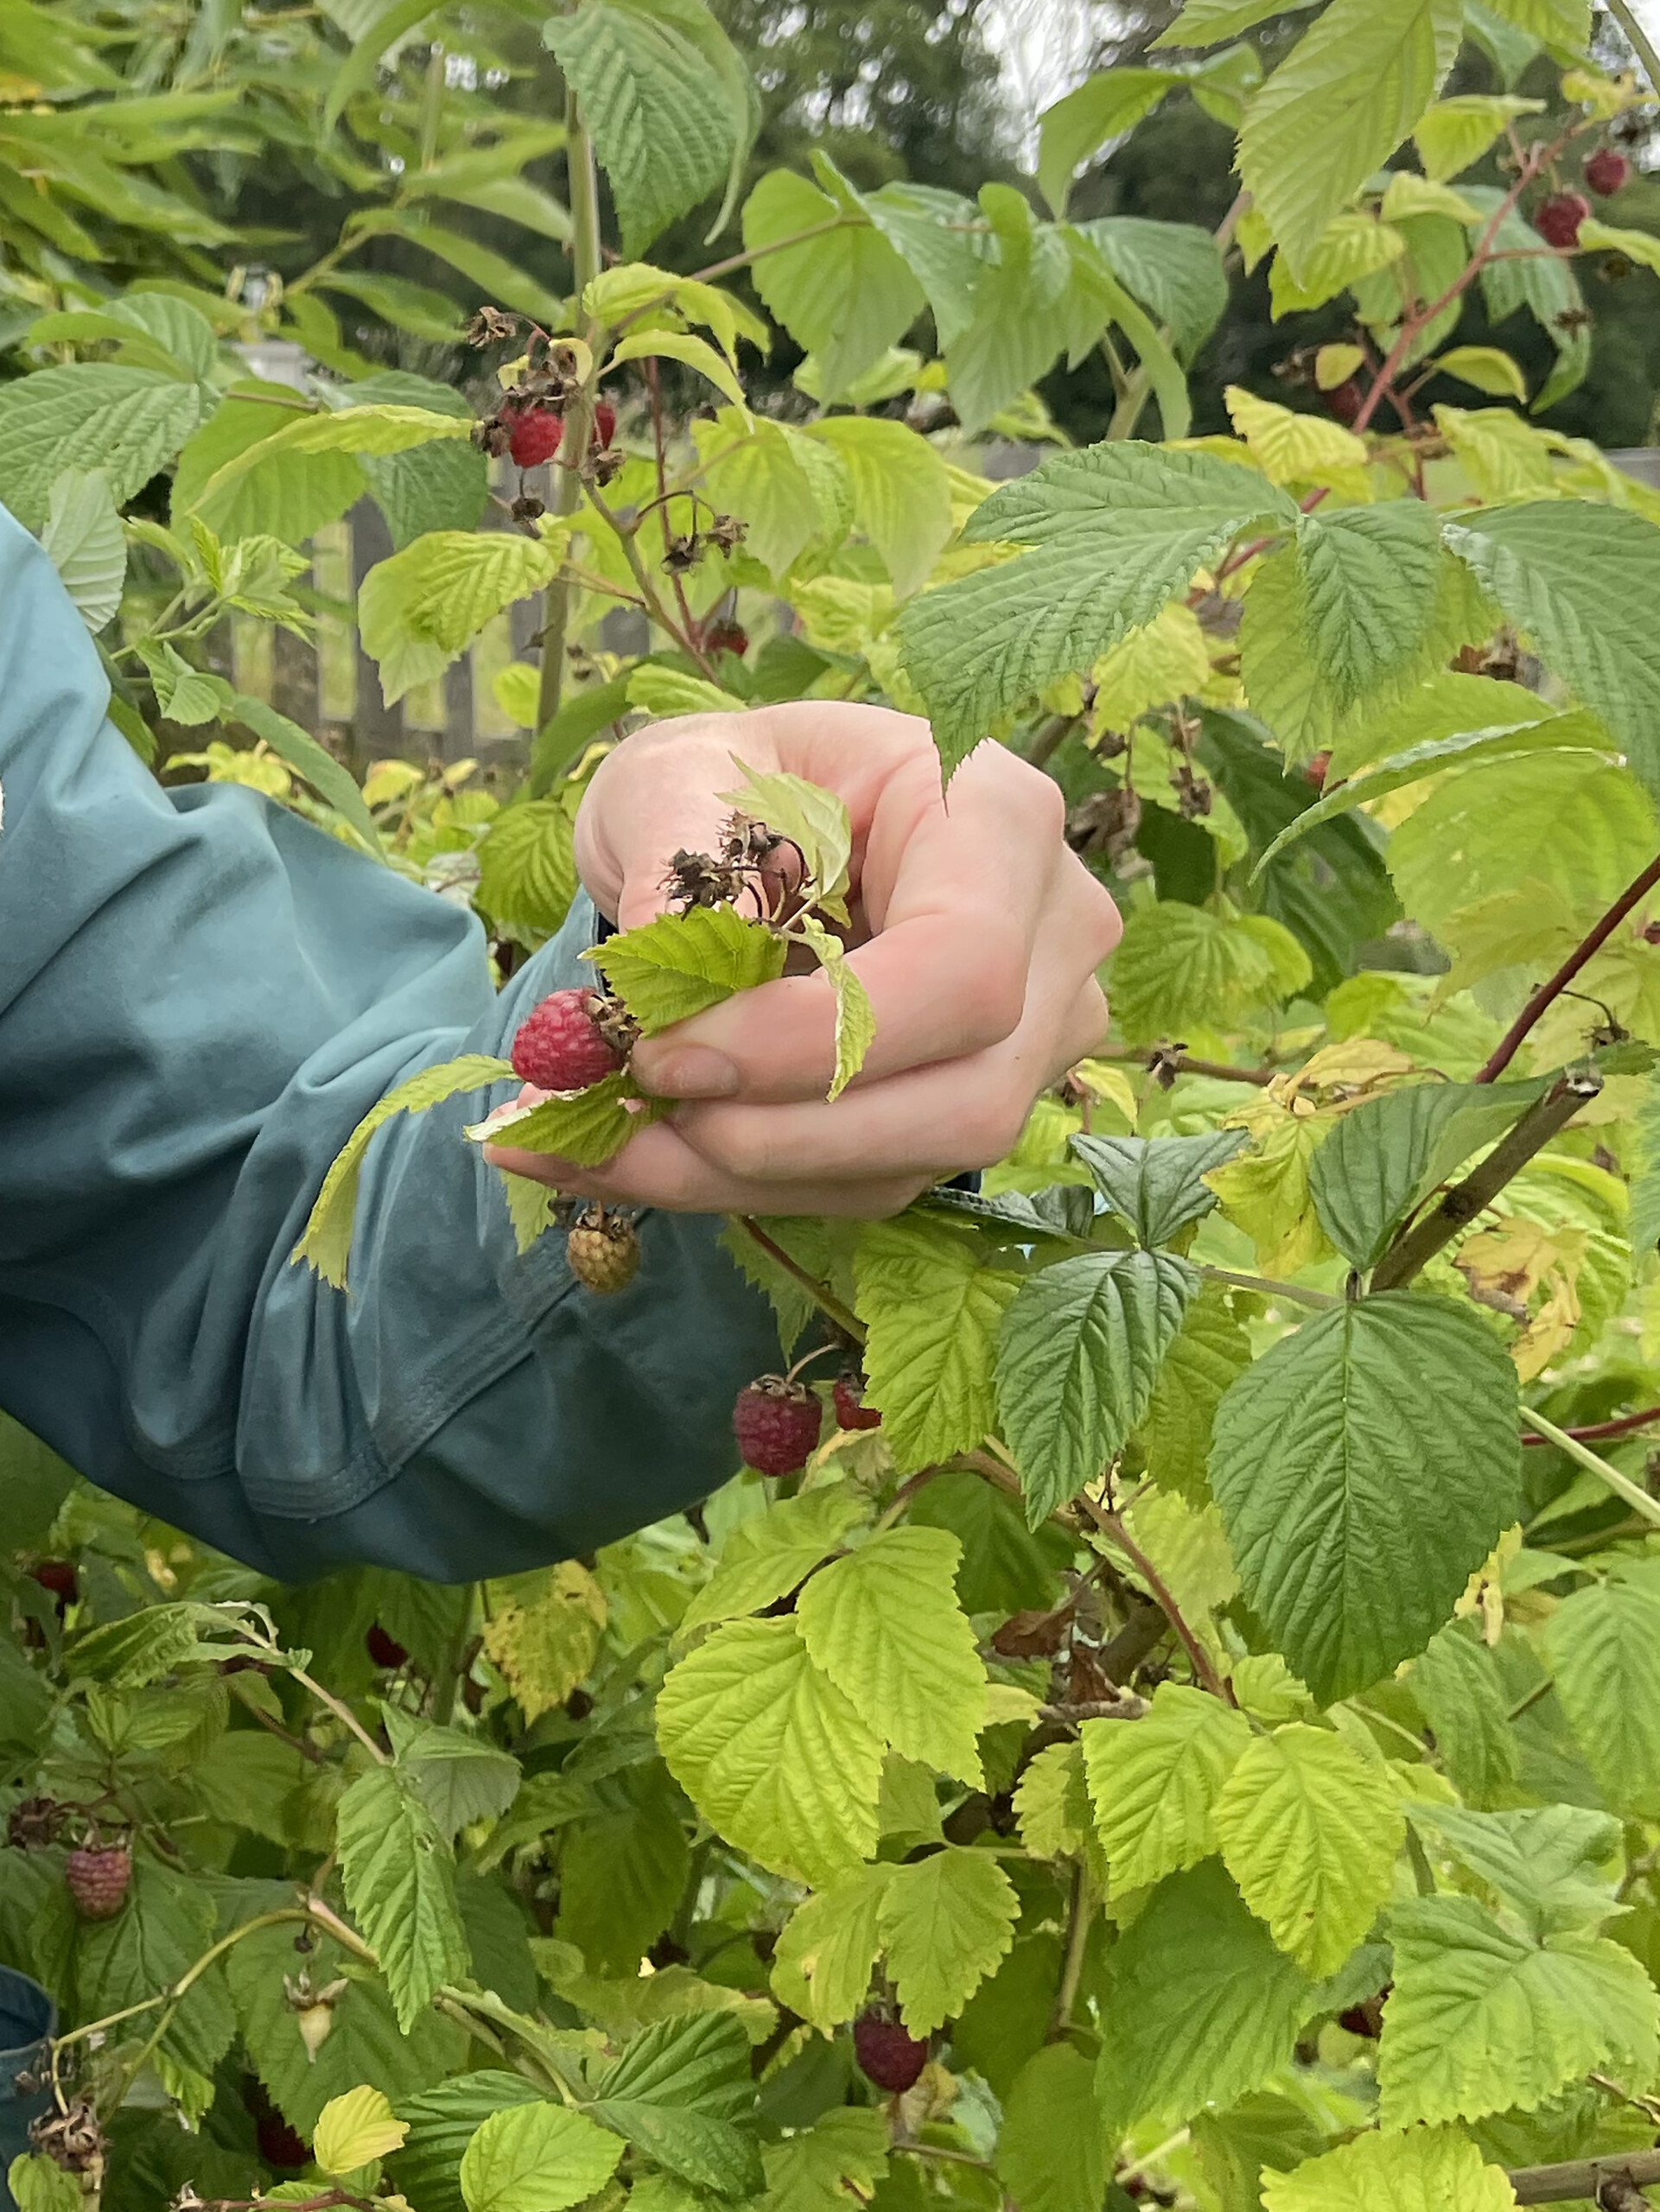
x: 1598, y: 1430
x: 1509, y: 1044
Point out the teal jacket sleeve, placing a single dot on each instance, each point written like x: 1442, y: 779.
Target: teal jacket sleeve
x: 201, y: 995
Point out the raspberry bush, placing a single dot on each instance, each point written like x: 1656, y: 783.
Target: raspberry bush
x: 1168, y: 1713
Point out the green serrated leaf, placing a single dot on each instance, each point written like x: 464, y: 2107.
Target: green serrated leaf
x: 1544, y: 1860
x: 855, y: 1017
x: 1154, y: 1782
x: 885, y: 1625
x: 1365, y: 1466
x: 348, y: 430
x: 844, y: 295
x: 1206, y: 1353
x: 326, y: 1243
x: 1603, y: 1644
x: 1428, y: 2171
x: 1461, y: 1694
x: 1052, y: 2154
x: 823, y: 1962
x: 421, y: 607
x: 771, y: 1753
x: 443, y: 2121
x: 537, y: 2157
x: 831, y: 2166
x: 1077, y: 1355
x: 586, y: 1126
x: 84, y: 537
x: 1157, y: 1183
x: 931, y: 1307
x: 459, y: 1778
x: 666, y: 971
x: 946, y: 1920
x: 681, y: 2092
x: 764, y: 1558
x: 815, y: 821
x: 902, y: 493
x: 1105, y: 536
x: 1205, y: 2007
x: 527, y: 868
x: 1481, y: 2019
x: 1309, y: 1829
x: 143, y: 417
x: 319, y: 767
x: 400, y: 1885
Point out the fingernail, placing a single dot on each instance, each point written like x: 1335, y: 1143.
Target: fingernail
x: 692, y: 1071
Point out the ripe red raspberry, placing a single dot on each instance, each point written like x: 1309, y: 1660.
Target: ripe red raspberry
x: 1558, y: 218
x: 98, y: 1875
x: 603, y: 1250
x: 58, y: 1575
x: 849, y: 1398
x: 776, y: 1423
x: 892, y: 2059
x: 1315, y: 768
x: 1345, y: 401
x: 605, y: 424
x: 536, y: 436
x: 560, y: 1047
x: 726, y: 637
x: 1606, y: 171
x: 385, y: 1650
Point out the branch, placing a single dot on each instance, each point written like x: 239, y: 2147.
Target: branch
x: 1596, y: 1430
x: 1505, y: 1051
x: 1159, y: 1058
x: 1596, y: 2179
x: 1409, y: 1252
x: 821, y: 1295
x: 1078, y: 1922
x: 1111, y: 1525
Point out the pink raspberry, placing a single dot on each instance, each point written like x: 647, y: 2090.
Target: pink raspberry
x: 776, y: 1423
x: 559, y: 1046
x: 1558, y: 218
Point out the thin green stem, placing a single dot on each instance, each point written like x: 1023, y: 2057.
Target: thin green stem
x: 1323, y: 1301
x: 1078, y: 1943
x: 775, y: 246
x: 341, y: 1713
x: 1582, y: 1455
x: 584, y: 187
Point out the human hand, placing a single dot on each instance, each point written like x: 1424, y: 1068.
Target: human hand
x: 978, y: 933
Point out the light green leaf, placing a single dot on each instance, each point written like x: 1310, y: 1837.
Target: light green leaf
x: 931, y: 1306
x: 355, y: 2128
x: 1579, y: 579
x: 621, y: 295
x: 832, y: 2166
x: 1157, y: 1183
x: 1387, y: 1154
x: 1078, y: 1356
x: 766, y: 1557
x: 935, y: 233
x: 771, y: 1753
x: 1293, y: 447
x: 326, y: 1243
x: 1428, y: 2171
x: 349, y: 430
x: 1365, y: 1466
x: 666, y: 971
x: 1205, y: 2007
x: 815, y: 821
x: 1461, y: 1695
x: 400, y: 1883
x: 902, y: 493
x: 661, y: 692
x: 420, y: 608
x: 543, y: 1631
x: 885, y: 1625
x: 527, y: 866
x: 1603, y: 1644
x: 1545, y: 1861
x: 537, y: 2157
x: 1487, y: 368
x: 586, y: 1126
x: 681, y: 346
x: 1154, y: 1782
x: 1452, y: 136
x: 302, y: 753
x: 1207, y: 1352
x: 1052, y: 2155
x: 1204, y: 23
x: 945, y: 1920
x: 443, y: 2121
x: 855, y: 1017
x: 1481, y: 2019
x: 764, y: 475
x: 1108, y: 535
x: 823, y: 1962
x: 1078, y: 126
x: 84, y: 537
x: 40, y: 2184
x: 459, y: 1778
x: 1167, y: 659
x: 1179, y: 966
x: 288, y: 496
x: 1173, y: 269
x: 1051, y: 1804
x: 1309, y: 1829
x: 142, y: 417
x: 1500, y: 743
x: 845, y: 297
x: 1354, y: 87
x: 666, y: 99
x: 1369, y: 579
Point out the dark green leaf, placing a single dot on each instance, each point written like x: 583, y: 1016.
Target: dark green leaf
x: 1157, y: 1183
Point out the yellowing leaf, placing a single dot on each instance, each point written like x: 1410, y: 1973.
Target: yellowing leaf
x: 1155, y: 1782
x: 1309, y: 1829
x: 884, y: 1624
x: 1292, y: 448
x: 1453, y: 135
x: 1335, y: 365
x: 1165, y: 659
x: 1408, y: 194
x: 822, y: 1965
x: 946, y: 1921
x: 771, y: 1753
x: 1487, y: 368
x: 418, y: 609
x: 355, y: 2128
x: 587, y: 1127
x: 682, y: 345
x: 543, y: 1631
x: 932, y: 1306
x: 1427, y: 2170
